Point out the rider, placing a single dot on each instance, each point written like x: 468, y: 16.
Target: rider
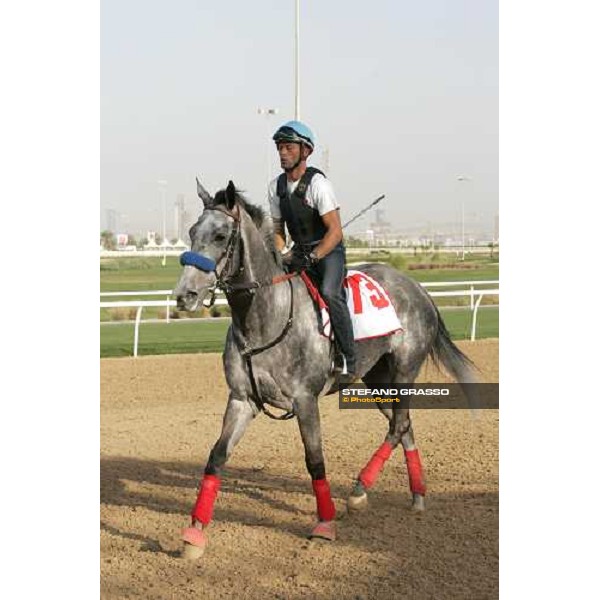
x: 302, y: 199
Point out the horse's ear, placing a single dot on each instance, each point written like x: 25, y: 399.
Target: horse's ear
x: 202, y: 193
x: 230, y: 195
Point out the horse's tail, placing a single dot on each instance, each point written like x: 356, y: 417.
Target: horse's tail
x: 460, y: 366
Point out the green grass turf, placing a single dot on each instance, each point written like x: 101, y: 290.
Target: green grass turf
x: 481, y: 273
x: 179, y: 337
x: 146, y: 274
x: 133, y: 274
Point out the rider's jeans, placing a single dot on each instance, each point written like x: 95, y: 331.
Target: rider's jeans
x: 330, y: 271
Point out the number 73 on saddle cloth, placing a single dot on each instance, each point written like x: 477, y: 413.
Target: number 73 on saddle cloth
x: 372, y: 312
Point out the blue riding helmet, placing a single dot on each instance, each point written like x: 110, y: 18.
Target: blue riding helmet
x: 297, y: 132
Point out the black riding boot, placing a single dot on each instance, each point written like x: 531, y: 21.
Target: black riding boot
x: 331, y: 270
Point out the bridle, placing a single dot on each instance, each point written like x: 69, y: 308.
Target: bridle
x: 232, y: 247
x: 224, y: 283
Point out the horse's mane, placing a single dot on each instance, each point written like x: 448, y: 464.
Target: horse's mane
x: 259, y: 218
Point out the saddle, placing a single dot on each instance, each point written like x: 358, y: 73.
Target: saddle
x: 371, y: 310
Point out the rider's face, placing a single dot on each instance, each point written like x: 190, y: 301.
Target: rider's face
x: 289, y: 154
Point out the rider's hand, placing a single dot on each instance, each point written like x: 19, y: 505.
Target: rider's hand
x: 295, y: 261
x: 304, y: 261
x: 287, y: 258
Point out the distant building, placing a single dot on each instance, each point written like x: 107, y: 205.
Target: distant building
x: 380, y: 228
x: 112, y: 220
x: 180, y: 216
x: 151, y: 243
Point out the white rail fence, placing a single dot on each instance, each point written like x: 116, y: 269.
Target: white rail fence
x: 474, y: 293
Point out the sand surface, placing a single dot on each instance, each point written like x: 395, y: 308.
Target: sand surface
x: 160, y: 417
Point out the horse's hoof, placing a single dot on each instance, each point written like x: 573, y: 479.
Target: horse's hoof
x: 325, y: 530
x: 418, y: 503
x: 194, y: 543
x: 190, y: 552
x: 357, y: 503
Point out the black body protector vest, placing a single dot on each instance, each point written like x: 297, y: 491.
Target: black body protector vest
x: 303, y: 222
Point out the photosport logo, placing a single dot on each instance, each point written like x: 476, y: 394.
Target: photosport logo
x: 423, y: 395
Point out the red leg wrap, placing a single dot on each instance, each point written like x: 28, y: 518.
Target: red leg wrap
x: 368, y: 476
x: 325, y: 505
x: 203, y: 510
x: 415, y: 471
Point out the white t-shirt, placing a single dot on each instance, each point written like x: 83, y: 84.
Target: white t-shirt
x: 319, y: 195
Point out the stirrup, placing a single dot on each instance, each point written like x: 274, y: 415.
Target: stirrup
x: 341, y: 367
x: 339, y: 362
x: 347, y: 378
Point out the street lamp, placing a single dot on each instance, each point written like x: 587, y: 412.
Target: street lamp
x: 462, y: 205
x: 297, y: 61
x: 163, y: 192
x: 268, y: 112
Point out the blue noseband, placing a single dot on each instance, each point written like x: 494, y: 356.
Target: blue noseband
x: 193, y: 259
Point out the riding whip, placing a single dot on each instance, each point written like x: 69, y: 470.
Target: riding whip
x: 364, y: 210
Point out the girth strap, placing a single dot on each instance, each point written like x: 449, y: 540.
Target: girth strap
x: 248, y: 353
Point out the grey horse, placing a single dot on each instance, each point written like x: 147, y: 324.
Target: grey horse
x: 275, y: 356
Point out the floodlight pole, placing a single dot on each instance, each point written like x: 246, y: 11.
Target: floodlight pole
x: 462, y: 210
x: 163, y: 185
x: 268, y: 112
x: 297, y: 60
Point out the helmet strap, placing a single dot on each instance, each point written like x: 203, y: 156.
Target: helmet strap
x: 300, y: 159
x: 292, y: 168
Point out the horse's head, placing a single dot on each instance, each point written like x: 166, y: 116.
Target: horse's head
x: 213, y: 256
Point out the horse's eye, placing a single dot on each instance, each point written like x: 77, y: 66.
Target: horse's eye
x: 219, y: 237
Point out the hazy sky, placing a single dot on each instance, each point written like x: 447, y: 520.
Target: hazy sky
x: 404, y: 95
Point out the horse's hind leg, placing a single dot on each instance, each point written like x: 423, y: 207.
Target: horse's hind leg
x: 400, y: 431
x: 380, y: 374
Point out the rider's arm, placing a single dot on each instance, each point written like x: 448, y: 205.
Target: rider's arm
x: 333, y: 237
x: 325, y: 202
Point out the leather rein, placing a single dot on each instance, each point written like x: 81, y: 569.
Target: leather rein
x: 223, y: 283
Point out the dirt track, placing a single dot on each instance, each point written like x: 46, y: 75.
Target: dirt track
x: 158, y: 426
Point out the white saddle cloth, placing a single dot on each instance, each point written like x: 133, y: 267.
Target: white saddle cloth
x: 372, y: 312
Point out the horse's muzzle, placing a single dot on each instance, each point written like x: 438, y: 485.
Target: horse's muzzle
x: 188, y: 301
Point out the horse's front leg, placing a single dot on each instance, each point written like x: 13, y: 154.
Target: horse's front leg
x: 307, y: 411
x: 238, y: 415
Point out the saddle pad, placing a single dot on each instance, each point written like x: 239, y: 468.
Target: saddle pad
x: 372, y: 313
